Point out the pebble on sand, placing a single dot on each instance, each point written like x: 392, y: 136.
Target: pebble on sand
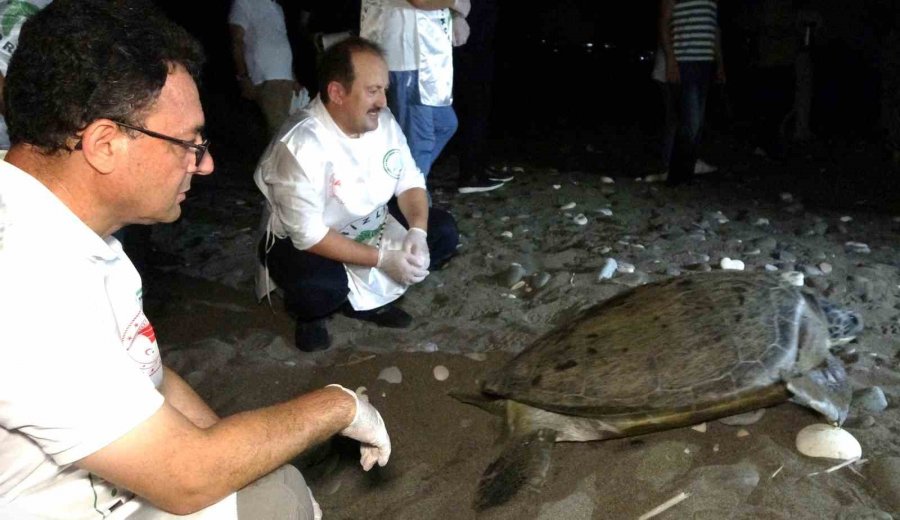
x: 699, y: 427
x: 392, y: 375
x: 506, y: 234
x: 568, y: 205
x: 606, y: 212
x: 441, y: 373
x: 793, y: 277
x: 609, y: 268
x: 607, y: 180
x: 732, y: 265
x: 580, y: 219
x: 826, y: 441
x: 742, y: 433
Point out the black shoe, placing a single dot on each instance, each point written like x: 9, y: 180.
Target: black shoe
x: 388, y: 315
x: 478, y: 185
x: 312, y: 336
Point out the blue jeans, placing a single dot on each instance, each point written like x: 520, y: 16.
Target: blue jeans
x: 427, y: 129
x: 693, y: 90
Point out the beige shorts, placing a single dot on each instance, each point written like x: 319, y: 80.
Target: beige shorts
x: 280, y: 495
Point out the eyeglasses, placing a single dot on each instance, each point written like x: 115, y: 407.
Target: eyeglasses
x: 199, y: 149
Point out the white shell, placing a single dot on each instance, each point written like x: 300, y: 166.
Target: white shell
x: 606, y: 212
x: 607, y: 180
x: 580, y: 219
x: 823, y: 440
x: 441, y: 373
x: 566, y: 206
x: 732, y: 265
x: 507, y: 234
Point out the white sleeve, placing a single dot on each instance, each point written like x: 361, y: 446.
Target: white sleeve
x: 297, y: 197
x: 238, y: 15
x: 410, y: 176
x: 69, y: 384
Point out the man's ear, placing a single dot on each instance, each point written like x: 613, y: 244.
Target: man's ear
x: 103, y: 144
x: 336, y: 92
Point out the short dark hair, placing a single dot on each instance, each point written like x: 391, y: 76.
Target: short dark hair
x: 82, y: 60
x: 336, y: 63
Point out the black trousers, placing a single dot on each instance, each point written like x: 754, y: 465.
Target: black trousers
x: 315, y: 287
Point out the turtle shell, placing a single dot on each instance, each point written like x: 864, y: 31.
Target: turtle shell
x: 699, y: 346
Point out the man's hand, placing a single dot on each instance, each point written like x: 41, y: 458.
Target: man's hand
x: 401, y: 266
x: 461, y: 30
x: 462, y: 7
x: 368, y: 428
x: 416, y: 242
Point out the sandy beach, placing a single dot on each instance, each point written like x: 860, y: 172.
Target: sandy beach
x: 525, y: 266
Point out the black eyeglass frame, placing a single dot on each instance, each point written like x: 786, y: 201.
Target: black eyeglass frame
x: 199, y: 149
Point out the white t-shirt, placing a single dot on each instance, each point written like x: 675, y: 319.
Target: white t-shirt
x: 267, y: 50
x: 79, y: 362
x: 414, y: 39
x: 316, y: 178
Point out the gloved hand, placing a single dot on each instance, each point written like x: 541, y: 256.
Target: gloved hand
x: 401, y: 266
x: 368, y: 428
x: 462, y: 7
x: 461, y: 30
x: 416, y: 242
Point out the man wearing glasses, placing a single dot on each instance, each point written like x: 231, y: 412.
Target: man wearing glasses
x: 92, y: 424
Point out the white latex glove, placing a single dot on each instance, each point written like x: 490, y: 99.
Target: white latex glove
x: 460, y: 30
x: 401, y: 266
x: 368, y: 428
x: 416, y: 242
x: 462, y: 7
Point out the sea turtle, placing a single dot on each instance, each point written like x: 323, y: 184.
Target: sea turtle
x: 672, y: 353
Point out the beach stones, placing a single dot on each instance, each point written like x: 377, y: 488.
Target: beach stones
x: 441, y: 373
x: 871, y: 400
x: 826, y: 441
x: 392, y: 375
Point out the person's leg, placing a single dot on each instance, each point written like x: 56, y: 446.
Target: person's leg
x: 274, y: 99
x: 670, y: 101
x: 398, y: 96
x: 314, y: 288
x: 695, y: 77
x: 280, y: 495
x: 445, y: 125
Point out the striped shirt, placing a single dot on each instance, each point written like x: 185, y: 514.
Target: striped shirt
x: 694, y: 25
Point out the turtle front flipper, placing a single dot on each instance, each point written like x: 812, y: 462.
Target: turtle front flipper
x: 524, y: 462
x: 844, y: 325
x: 825, y: 390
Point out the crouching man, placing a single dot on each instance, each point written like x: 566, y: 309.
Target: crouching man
x: 333, y: 242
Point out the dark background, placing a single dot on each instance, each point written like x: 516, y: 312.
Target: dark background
x: 573, y: 78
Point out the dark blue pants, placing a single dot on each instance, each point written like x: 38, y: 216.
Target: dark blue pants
x: 692, y: 92
x: 315, y: 287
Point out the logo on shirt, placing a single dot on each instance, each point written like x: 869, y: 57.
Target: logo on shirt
x: 392, y: 163
x: 139, y: 341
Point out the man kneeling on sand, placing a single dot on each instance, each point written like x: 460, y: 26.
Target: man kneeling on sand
x: 333, y: 242
x: 106, y: 129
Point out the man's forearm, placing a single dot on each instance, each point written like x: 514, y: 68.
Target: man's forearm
x: 184, y: 399
x: 342, y: 249
x: 182, y: 469
x: 413, y: 203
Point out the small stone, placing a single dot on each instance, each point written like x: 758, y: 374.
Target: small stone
x: 731, y: 265
x: 541, y: 279
x: 606, y: 212
x: 607, y: 180
x: 826, y: 441
x: 846, y: 218
x: 441, y: 373
x: 476, y: 356
x: 811, y: 270
x: 825, y: 267
x: 580, y: 219
x: 699, y: 427
x: 506, y: 234
x: 761, y: 222
x: 557, y: 186
x: 625, y: 267
x: 871, y: 399
x: 512, y: 275
x: 857, y: 247
x: 770, y: 268
x: 518, y: 285
x: 392, y: 375
x: 609, y: 268
x: 566, y: 206
x: 742, y: 433
x: 795, y: 278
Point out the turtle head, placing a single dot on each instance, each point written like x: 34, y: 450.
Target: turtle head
x: 843, y: 324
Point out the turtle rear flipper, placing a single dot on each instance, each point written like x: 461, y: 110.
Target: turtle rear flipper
x: 825, y: 390
x: 524, y: 462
